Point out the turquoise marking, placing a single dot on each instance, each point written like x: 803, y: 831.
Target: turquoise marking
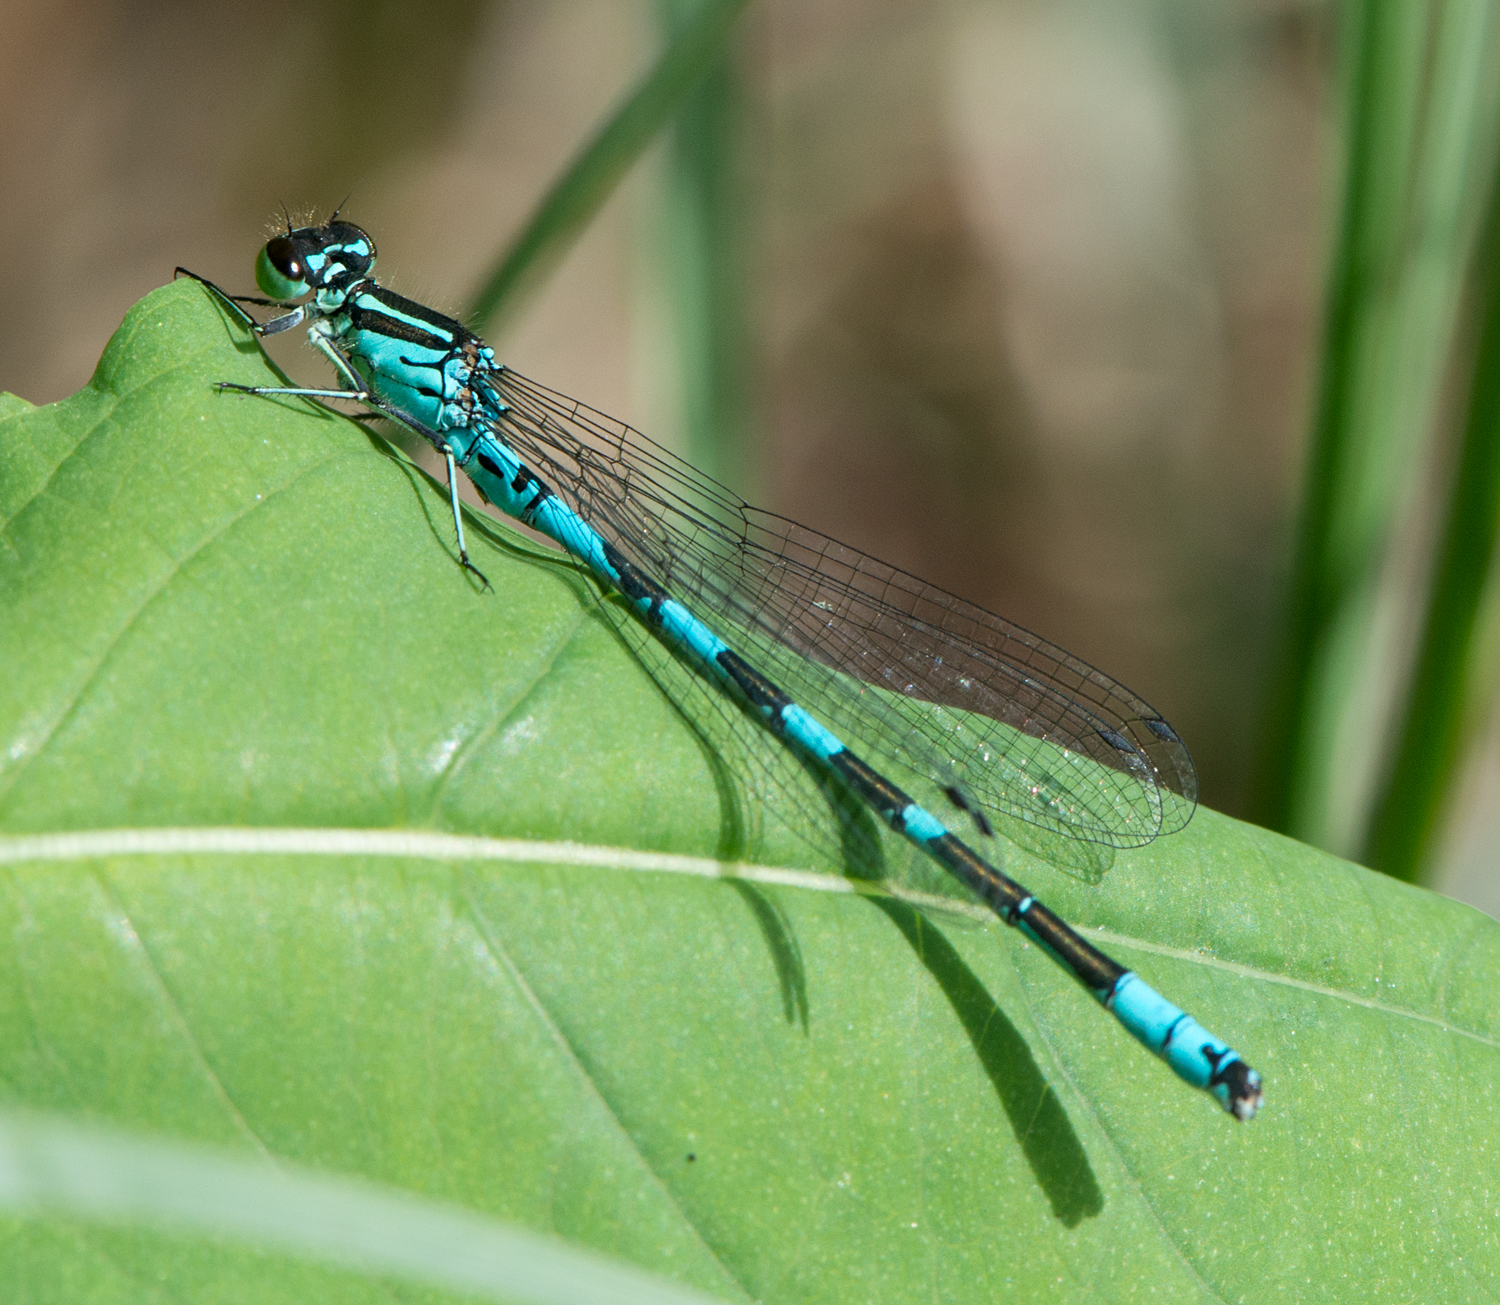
x: 558, y: 522
x: 683, y: 628
x: 1174, y: 1035
x: 812, y: 610
x: 921, y: 824
x: 809, y: 733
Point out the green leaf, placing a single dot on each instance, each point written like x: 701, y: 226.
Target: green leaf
x: 313, y: 852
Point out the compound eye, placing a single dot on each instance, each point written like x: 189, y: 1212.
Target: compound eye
x: 281, y: 253
x: 280, y: 271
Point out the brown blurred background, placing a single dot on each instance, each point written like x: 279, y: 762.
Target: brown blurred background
x: 1029, y: 292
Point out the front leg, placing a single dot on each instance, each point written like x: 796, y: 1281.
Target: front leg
x: 274, y: 327
x: 354, y: 387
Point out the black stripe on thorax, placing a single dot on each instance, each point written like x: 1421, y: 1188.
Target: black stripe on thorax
x: 393, y: 328
x: 455, y: 330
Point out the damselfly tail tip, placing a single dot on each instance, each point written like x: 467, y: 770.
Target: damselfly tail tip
x: 1242, y: 1090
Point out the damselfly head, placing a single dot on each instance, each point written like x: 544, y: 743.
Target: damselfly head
x: 312, y: 258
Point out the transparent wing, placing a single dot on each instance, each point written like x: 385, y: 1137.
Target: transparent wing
x: 986, y: 711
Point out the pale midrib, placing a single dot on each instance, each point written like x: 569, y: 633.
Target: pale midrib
x: 429, y: 845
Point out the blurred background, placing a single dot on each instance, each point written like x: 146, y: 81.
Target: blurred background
x: 1060, y: 305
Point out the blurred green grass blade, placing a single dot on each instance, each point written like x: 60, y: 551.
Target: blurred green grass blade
x: 1419, y: 126
x: 1447, y: 677
x: 51, y: 1168
x: 591, y: 178
x: 701, y: 254
x: 1382, y: 80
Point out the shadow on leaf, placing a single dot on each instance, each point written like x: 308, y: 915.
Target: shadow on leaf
x: 1036, y: 1114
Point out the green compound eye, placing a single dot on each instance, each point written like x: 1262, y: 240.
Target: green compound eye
x: 279, y: 271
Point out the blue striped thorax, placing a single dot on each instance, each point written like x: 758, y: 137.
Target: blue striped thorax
x: 417, y: 360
